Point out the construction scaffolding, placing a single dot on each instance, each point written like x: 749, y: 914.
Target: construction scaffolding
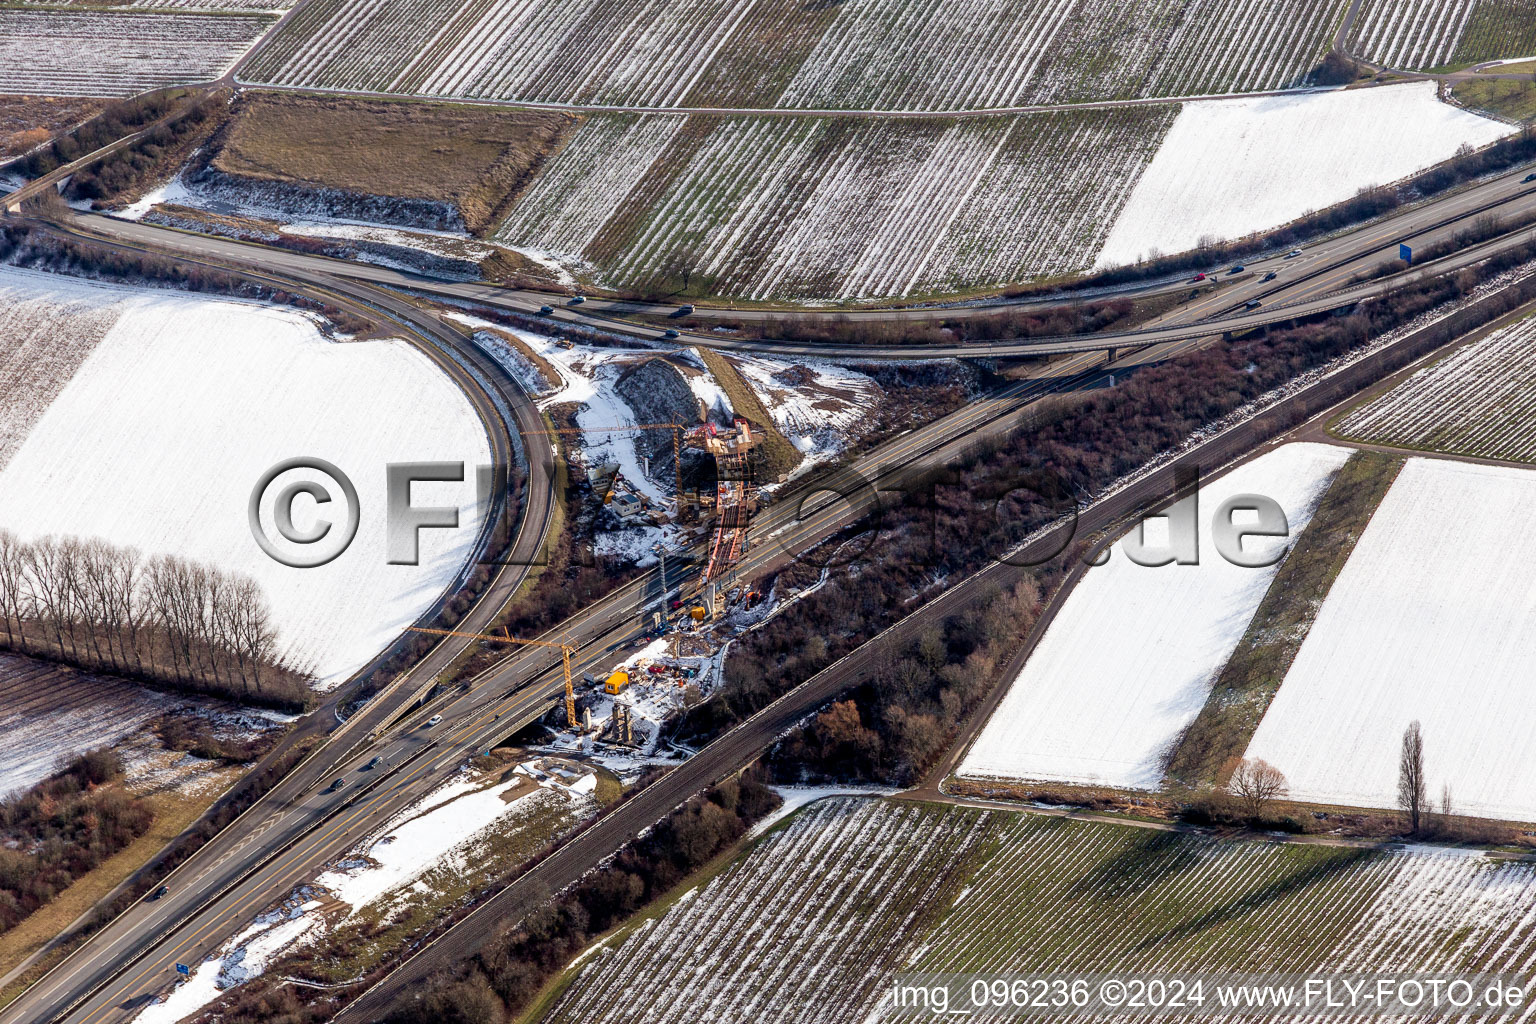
x: 735, y: 494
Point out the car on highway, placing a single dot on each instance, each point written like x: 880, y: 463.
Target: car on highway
x: 670, y: 334
x: 373, y: 763
x: 686, y: 309
x: 157, y: 894
x: 1237, y: 269
x: 1528, y: 178
x: 1252, y: 304
x: 1293, y: 254
x: 435, y: 719
x: 1197, y: 279
x: 1271, y: 275
x: 546, y: 310
x: 334, y: 786
x: 577, y: 300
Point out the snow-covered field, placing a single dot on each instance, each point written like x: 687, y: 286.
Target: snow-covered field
x: 861, y: 54
x: 1130, y: 658
x: 830, y: 208
x: 1232, y: 167
x: 111, y: 53
x: 164, y: 430
x: 1430, y: 621
x: 815, y: 922
x: 1480, y: 400
x: 435, y: 832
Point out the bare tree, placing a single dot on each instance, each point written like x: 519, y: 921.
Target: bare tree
x: 12, y: 580
x: 1256, y: 784
x: 1447, y: 807
x: 170, y: 619
x: 1412, y: 790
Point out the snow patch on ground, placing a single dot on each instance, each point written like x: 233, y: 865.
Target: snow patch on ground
x: 1429, y: 621
x: 816, y: 405
x: 1128, y: 662
x: 244, y: 957
x: 428, y: 834
x: 1232, y: 167
x: 159, y: 437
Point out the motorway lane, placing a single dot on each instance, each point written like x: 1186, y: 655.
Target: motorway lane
x: 1306, y: 287
x: 783, y: 529
x: 774, y: 525
x: 739, y: 747
x: 517, y: 690
x: 272, y: 819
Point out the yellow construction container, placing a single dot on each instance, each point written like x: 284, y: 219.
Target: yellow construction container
x: 617, y: 681
x: 698, y: 612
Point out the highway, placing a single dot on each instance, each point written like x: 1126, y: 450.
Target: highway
x: 1318, y: 281
x: 305, y: 828
x: 296, y: 829
x: 739, y: 747
x: 506, y: 412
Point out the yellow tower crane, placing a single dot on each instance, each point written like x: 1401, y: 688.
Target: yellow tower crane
x: 507, y: 638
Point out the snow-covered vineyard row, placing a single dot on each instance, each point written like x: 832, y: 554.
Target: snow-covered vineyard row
x: 49, y: 713
x: 769, y: 206
x: 1410, y: 33
x: 118, y: 53
x: 1430, y: 33
x: 163, y: 5
x: 881, y: 54
x: 44, y: 337
x: 1498, y: 29
x: 816, y: 921
x: 864, y: 54
x: 1481, y: 401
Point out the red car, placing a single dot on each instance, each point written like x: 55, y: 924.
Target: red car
x: 1198, y: 278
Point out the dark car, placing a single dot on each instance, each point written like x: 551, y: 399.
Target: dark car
x: 669, y: 334
x: 577, y: 300
x: 373, y: 763
x: 1253, y: 304
x: 1271, y: 276
x: 157, y: 894
x: 1237, y: 269
x: 546, y: 310
x: 336, y: 785
x: 1528, y: 178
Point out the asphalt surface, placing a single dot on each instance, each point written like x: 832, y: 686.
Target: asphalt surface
x: 299, y: 830
x: 1318, y: 281
x: 742, y: 745
x: 285, y: 812
x: 295, y: 829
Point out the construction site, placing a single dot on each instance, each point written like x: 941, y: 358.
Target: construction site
x: 620, y: 715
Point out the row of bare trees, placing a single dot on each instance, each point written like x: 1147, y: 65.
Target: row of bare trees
x: 165, y: 619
